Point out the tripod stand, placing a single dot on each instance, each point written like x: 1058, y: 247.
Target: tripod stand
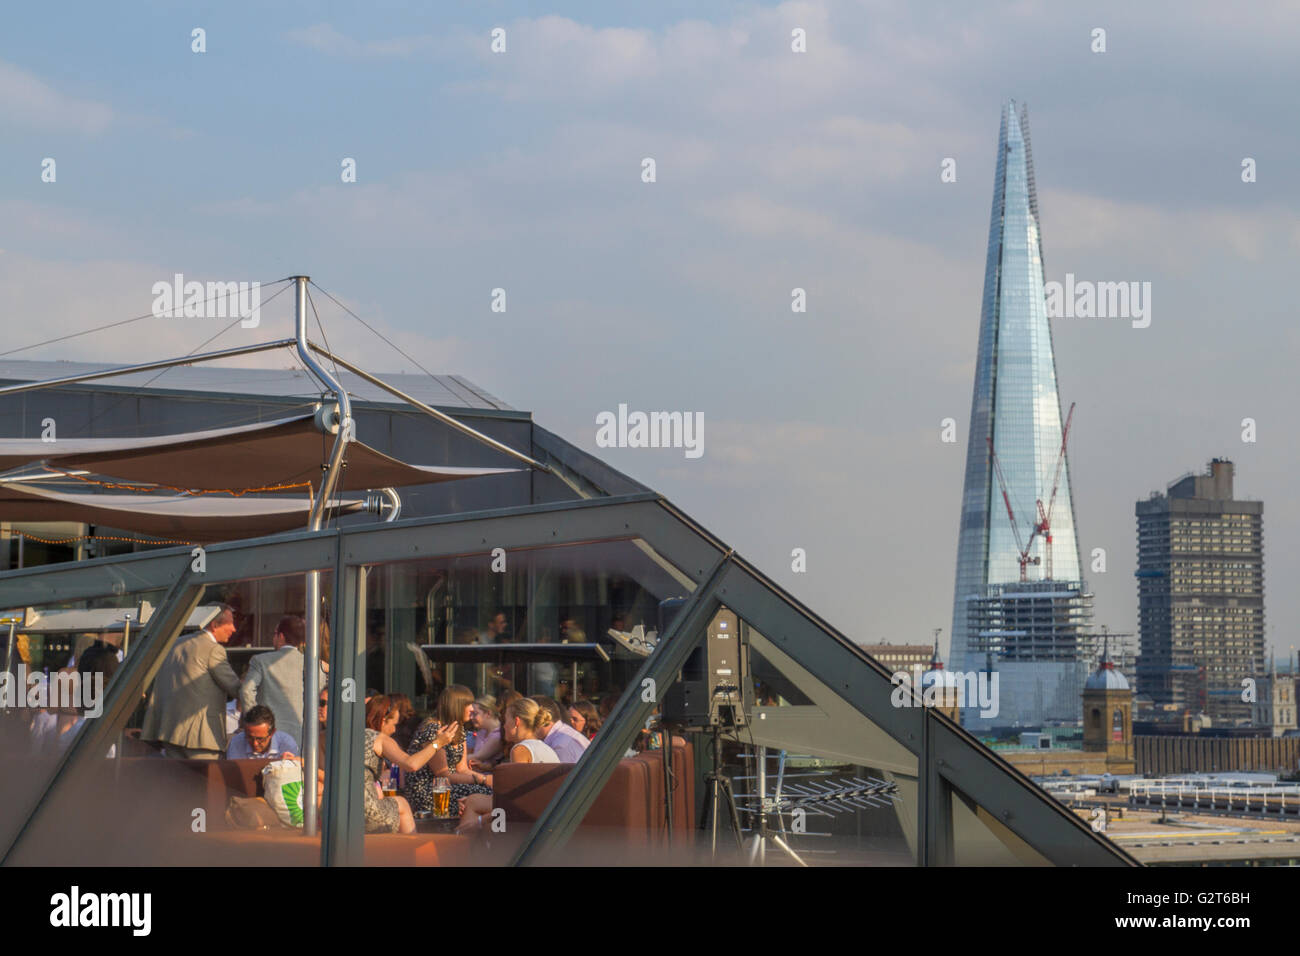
x: 720, y: 789
x: 762, y: 835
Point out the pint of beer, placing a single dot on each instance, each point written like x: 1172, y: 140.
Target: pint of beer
x: 442, y: 802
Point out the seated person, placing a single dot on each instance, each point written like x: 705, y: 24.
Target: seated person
x: 584, y: 718
x: 558, y: 735
x: 520, y: 727
x: 486, y: 750
x: 392, y: 814
x: 407, y: 722
x: 455, y: 708
x: 259, y: 740
x: 94, y: 670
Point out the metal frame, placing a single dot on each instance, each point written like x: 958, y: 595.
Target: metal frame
x: 951, y: 762
x: 123, y: 694
x: 583, y: 784
x: 343, y: 826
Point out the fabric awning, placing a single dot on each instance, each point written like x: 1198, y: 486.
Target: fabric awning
x: 264, y: 455
x: 180, y: 517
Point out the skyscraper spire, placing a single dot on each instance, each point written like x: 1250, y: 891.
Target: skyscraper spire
x: 1016, y: 420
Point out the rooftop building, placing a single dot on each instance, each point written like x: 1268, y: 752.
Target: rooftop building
x: 1200, y: 579
x: 527, y: 564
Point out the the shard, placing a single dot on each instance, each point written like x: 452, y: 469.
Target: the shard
x: 1017, y: 609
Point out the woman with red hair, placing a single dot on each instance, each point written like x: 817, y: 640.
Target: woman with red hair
x: 392, y: 814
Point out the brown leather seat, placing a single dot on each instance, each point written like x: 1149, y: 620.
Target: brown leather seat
x: 631, y: 803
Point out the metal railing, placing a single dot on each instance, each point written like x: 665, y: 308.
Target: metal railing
x: 1279, y: 800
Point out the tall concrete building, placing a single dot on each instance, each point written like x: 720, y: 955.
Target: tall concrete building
x: 1200, y: 574
x: 1020, y: 605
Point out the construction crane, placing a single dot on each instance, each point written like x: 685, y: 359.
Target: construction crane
x: 1024, y: 546
x: 1044, y: 526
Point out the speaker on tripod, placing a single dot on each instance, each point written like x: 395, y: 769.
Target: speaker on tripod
x: 713, y: 694
x: 714, y: 691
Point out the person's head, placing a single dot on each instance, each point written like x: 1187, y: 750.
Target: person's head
x: 259, y: 728
x: 521, y: 720
x: 97, y: 659
x: 291, y: 630
x: 405, y: 709
x: 485, y: 714
x: 454, y: 705
x: 554, y: 713
x: 381, y: 715
x: 606, y: 705
x: 223, y: 625
x: 504, y: 700
x: 322, y: 706
x: 584, y: 717
x: 497, y: 626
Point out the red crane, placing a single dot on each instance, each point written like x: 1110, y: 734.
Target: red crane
x: 1044, y: 526
x: 1024, y: 547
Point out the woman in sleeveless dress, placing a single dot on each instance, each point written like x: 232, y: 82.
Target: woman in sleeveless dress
x: 519, y: 726
x: 454, y: 705
x: 391, y: 814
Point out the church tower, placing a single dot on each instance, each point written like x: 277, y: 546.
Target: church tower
x: 1108, y: 716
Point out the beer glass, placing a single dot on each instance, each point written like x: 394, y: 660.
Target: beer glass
x: 441, y: 797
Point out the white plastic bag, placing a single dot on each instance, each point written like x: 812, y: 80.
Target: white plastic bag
x: 282, y: 786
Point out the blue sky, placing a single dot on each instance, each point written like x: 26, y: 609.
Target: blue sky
x: 775, y: 170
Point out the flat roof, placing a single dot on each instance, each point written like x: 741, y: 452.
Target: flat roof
x: 437, y: 390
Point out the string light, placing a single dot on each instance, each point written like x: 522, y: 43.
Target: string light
x: 236, y: 492
x: 90, y: 537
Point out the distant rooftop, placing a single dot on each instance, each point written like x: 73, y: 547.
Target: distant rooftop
x: 438, y: 390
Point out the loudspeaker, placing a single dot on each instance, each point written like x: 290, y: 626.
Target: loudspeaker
x: 714, y: 689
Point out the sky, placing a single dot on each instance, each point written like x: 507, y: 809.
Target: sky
x: 774, y: 170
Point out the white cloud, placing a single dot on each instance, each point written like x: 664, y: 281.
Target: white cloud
x: 1127, y: 228
x: 28, y: 101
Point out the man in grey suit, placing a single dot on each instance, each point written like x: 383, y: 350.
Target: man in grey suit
x: 275, y: 680
x: 187, y: 707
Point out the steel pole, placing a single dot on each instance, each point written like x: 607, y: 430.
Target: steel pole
x: 145, y: 367
x: 311, y: 678
x: 433, y: 412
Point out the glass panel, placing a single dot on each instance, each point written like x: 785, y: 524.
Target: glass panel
x: 572, y: 623
x: 146, y: 807
x: 840, y: 800
x: 614, y: 595
x: 979, y: 839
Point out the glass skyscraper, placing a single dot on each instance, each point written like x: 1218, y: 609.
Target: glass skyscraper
x: 1032, y: 632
